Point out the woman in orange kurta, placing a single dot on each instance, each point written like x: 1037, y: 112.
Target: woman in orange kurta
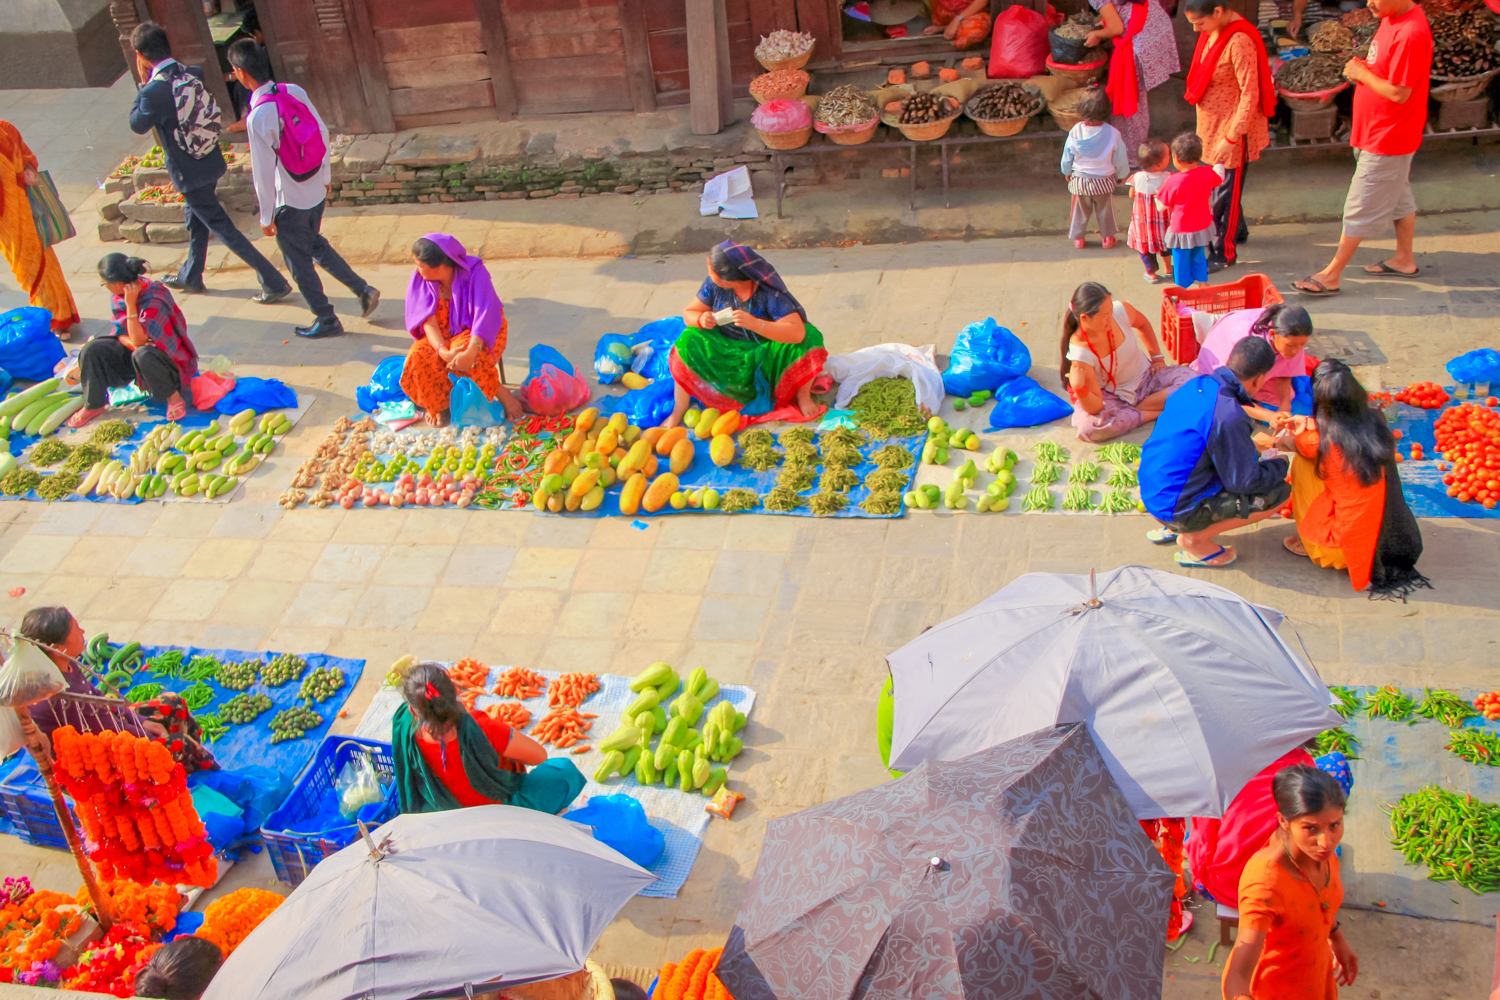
x: 1346, y: 493
x: 1289, y: 945
x: 34, y: 265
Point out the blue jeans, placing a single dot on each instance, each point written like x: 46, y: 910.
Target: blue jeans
x: 1189, y: 266
x: 205, y: 217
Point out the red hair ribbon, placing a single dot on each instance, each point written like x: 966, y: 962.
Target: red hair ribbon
x: 432, y: 692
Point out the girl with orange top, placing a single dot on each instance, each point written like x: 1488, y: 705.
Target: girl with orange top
x: 1346, y: 492
x: 1289, y: 945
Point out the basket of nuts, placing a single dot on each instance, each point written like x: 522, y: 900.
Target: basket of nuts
x: 779, y: 84
x: 1004, y: 108
x: 923, y: 117
x: 783, y: 49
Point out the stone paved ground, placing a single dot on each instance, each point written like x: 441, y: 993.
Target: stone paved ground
x: 801, y: 610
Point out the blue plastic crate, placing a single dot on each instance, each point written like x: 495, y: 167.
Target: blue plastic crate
x: 28, y: 807
x: 294, y: 854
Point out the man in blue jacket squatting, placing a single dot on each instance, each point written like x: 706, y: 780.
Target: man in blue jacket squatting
x: 1201, y: 473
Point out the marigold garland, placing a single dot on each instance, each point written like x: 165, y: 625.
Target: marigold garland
x: 229, y: 920
x: 111, y: 965
x: 692, y: 979
x: 132, y: 801
x: 154, y: 905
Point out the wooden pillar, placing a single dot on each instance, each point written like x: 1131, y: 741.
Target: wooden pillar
x: 708, y: 66
x: 126, y: 16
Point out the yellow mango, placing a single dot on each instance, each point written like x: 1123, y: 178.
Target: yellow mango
x: 659, y: 492
x: 632, y: 492
x: 728, y: 423
x: 556, y: 461
x: 595, y: 460
x: 608, y: 439
x: 635, y: 460
x: 668, y: 441
x: 593, y: 499
x: 650, y: 467
x: 571, y: 502
x: 631, y: 435
x: 573, y: 443
x: 682, y: 456
x: 539, y: 499
x: 607, y: 477
x: 705, y: 427
x: 586, y: 419
x: 695, y: 498
x: 721, y: 450
x: 618, y: 422
x: 586, y: 481
x: 634, y: 381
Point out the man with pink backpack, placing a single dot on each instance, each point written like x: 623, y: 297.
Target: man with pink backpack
x: 289, y: 163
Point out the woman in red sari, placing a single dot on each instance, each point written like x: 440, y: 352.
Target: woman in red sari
x: 1346, y: 492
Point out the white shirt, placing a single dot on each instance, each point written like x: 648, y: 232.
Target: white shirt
x: 1130, y: 365
x: 162, y: 67
x: 275, y: 187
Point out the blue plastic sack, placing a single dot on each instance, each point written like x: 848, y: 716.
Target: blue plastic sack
x: 1021, y: 402
x: 259, y: 394
x: 1482, y: 365
x: 1302, y: 397
x: 28, y: 348
x: 384, y: 385
x: 643, y: 407
x: 223, y: 819
x: 620, y: 822
x: 647, y: 352
x: 984, y: 355
x: 257, y: 790
x: 5, y: 382
x: 468, y: 407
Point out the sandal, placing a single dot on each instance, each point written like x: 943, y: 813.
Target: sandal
x: 1317, y: 287
x: 176, y: 411
x: 1187, y: 559
x: 1161, y: 536
x: 1300, y: 550
x: 82, y: 417
x: 1386, y: 271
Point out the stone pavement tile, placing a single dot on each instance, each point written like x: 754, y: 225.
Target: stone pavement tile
x: 588, y: 615
x: 130, y: 520
x: 246, y: 519
x: 11, y: 512
x: 445, y: 526
x: 560, y: 532
x: 678, y: 571
x: 247, y: 637
x: 830, y: 671
x: 776, y: 634
x: 1462, y: 642
x: 478, y: 565
x: 127, y: 598
x: 255, y: 602
x: 839, y: 623
x: 327, y: 605
x: 37, y: 554
x: 344, y: 563
x: 833, y: 576
x: 758, y: 533
x: 611, y: 569
x: 632, y: 656
x: 856, y: 772
x: 308, y: 525
x: 934, y: 536
x: 726, y: 662
x: 505, y: 528
x: 299, y: 638
x: 895, y: 623
x: 221, y: 558
x: 570, y: 654
x: 188, y: 601
x: 185, y: 520
x: 731, y: 619
x: 641, y: 931
x: 783, y: 782
x: 693, y: 531
x: 446, y: 647
x: 93, y: 555
x: 499, y: 649
x: 1381, y: 642
x: 526, y: 612
x: 162, y: 557
x: 168, y: 633
x: 289, y: 561
x: 1316, y: 636
x: 68, y: 591
x: 746, y: 573
x: 379, y: 648
x: 368, y: 527
x: 617, y: 533
x: 914, y: 578
x: 66, y: 518
x: 847, y: 536
x: 459, y: 609
x: 413, y: 565
x: 546, y: 567
x: 390, y: 607
x: 663, y: 617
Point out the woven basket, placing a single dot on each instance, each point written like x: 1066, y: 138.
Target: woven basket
x: 1065, y: 120
x: 1005, y: 126
x: 850, y: 138
x: 796, y: 62
x: 790, y: 93
x: 1080, y: 75
x: 927, y: 131
x: 786, y: 140
x: 1315, y: 101
x: 1460, y: 88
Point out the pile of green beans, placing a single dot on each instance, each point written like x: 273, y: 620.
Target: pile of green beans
x: 1456, y: 836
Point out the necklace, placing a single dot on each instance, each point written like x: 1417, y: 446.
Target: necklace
x: 1327, y: 881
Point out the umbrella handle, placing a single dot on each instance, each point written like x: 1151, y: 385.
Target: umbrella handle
x: 364, y: 831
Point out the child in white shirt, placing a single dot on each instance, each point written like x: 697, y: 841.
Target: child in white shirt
x: 1094, y: 160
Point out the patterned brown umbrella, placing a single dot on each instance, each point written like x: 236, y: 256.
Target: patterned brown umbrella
x: 1017, y: 872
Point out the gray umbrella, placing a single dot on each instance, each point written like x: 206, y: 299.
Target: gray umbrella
x: 485, y: 897
x: 1017, y: 872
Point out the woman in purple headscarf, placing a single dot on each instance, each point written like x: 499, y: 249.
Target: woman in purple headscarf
x: 762, y: 358
x: 459, y: 327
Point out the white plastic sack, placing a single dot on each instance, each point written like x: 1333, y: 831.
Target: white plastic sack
x: 28, y: 676
x: 851, y: 371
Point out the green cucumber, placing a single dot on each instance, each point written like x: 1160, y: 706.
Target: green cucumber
x: 26, y: 397
x: 56, y: 417
x: 118, y: 661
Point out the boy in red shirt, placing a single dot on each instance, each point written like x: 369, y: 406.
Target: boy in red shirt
x: 1390, y: 112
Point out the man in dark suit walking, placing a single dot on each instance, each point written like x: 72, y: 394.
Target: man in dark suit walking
x: 195, y: 178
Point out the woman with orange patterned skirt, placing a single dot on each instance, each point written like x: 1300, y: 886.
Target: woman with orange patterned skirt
x: 459, y: 327
x: 33, y: 263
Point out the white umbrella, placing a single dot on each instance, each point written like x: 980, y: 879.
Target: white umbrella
x: 1188, y: 688
x: 469, y: 900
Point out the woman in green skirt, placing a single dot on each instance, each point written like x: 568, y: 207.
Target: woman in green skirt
x: 760, y: 361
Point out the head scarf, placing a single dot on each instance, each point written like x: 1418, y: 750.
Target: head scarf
x: 474, y: 307
x: 184, y: 733
x: 756, y: 267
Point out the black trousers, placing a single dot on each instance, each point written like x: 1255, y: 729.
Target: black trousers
x: 105, y: 363
x: 1229, y: 220
x: 205, y: 217
x: 298, y: 234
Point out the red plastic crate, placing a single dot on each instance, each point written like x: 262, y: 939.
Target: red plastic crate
x: 1178, y: 338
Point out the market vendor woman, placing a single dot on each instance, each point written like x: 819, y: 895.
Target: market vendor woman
x: 447, y: 759
x: 763, y: 358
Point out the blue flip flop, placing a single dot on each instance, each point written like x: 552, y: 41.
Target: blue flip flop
x: 1187, y: 559
x: 1161, y: 536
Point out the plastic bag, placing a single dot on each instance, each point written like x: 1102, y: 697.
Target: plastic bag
x: 259, y: 394
x: 222, y: 819
x: 552, y: 388
x: 647, y: 352
x: 1019, y: 47
x: 1302, y: 396
x: 985, y: 354
x: 11, y: 737
x: 5, y: 382
x: 209, y: 388
x: 1021, y: 402
x: 782, y: 115
x: 1482, y: 365
x: 620, y: 822
x: 358, y: 785
x: 28, y: 348
x: 257, y: 790
x: 384, y: 385
x: 852, y: 371
x: 643, y: 407
x: 28, y: 675
x: 468, y: 407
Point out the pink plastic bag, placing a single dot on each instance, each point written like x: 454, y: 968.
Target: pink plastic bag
x: 553, y: 392
x: 782, y: 115
x: 1019, y: 47
x: 209, y: 388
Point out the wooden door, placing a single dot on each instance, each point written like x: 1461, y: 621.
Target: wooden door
x: 325, y: 47
x: 437, y: 61
x: 570, y: 55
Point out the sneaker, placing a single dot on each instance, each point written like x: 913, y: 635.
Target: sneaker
x: 1080, y: 244
x: 1108, y: 242
x: 368, y: 300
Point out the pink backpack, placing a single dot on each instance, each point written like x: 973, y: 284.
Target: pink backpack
x: 302, y: 149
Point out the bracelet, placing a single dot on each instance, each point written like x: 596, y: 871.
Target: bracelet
x: 1158, y: 357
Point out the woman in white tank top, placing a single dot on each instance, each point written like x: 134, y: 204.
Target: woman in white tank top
x: 1113, y: 366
